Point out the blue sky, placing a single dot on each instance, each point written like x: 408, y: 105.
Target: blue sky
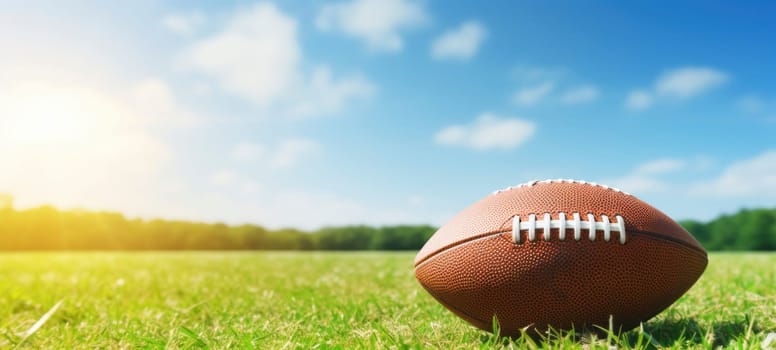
x: 313, y: 113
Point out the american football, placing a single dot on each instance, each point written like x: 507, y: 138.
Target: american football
x: 559, y: 254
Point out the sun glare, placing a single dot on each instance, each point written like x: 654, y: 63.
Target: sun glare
x: 39, y: 115
x: 39, y: 123
x: 66, y: 145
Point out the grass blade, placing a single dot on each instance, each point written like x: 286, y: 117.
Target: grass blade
x: 197, y: 340
x: 28, y: 333
x: 769, y: 342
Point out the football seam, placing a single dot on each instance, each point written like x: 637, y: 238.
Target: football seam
x: 490, y: 234
x: 560, y: 181
x: 700, y: 252
x: 460, y: 243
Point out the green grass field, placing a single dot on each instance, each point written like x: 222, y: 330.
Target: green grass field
x: 320, y: 300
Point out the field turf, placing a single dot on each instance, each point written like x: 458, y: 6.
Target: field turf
x: 322, y: 301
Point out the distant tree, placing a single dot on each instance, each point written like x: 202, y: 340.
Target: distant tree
x: 345, y: 238
x: 722, y: 232
x: 754, y: 228
x: 6, y: 202
x: 286, y: 239
x: 772, y: 231
x: 42, y: 229
x: 402, y: 237
x: 698, y: 229
x: 251, y: 236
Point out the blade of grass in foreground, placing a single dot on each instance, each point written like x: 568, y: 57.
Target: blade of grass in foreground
x: 27, y: 334
x: 189, y: 333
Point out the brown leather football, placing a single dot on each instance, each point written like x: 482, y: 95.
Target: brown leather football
x: 559, y: 254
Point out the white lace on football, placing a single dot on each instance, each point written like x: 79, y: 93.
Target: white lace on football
x: 546, y: 224
x: 552, y: 181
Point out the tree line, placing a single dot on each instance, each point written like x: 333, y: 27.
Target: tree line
x: 48, y: 228
x: 748, y: 229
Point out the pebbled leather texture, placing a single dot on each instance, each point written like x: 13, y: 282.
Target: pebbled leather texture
x: 472, y: 266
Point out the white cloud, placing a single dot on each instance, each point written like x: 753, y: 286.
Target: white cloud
x: 285, y: 154
x: 377, y: 22
x: 224, y: 177
x: 680, y: 83
x: 310, y: 209
x: 155, y: 100
x: 228, y: 180
x: 250, y: 187
x: 323, y: 95
x: 645, y: 178
x: 257, y: 56
x: 533, y: 74
x: 751, y: 104
x: 487, y: 132
x: 184, y: 24
x: 580, y: 94
x: 529, y: 96
x: 687, y: 82
x: 637, y: 183
x: 538, y: 83
x: 290, y: 152
x: 202, y: 88
x: 248, y: 152
x: 460, y: 43
x: 416, y: 200
x: 638, y: 100
x: 755, y: 177
x: 153, y: 91
x: 661, y: 166
x: 281, y: 208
